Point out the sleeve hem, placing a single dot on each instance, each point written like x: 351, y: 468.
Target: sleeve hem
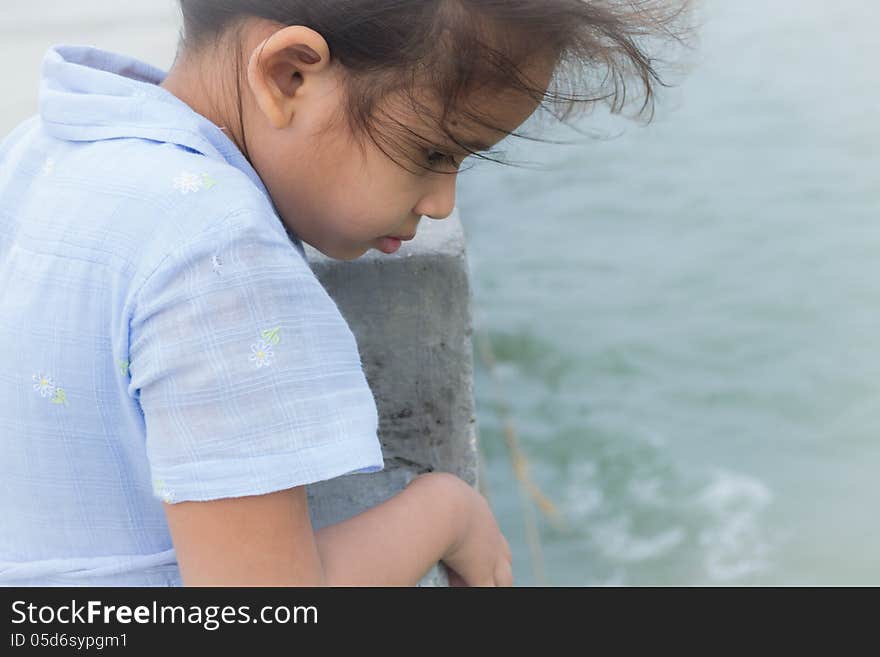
x: 268, y: 473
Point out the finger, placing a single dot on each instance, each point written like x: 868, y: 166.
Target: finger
x: 503, y: 574
x: 455, y: 579
x: 507, y: 549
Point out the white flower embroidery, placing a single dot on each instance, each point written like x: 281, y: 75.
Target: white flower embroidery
x: 262, y: 353
x: 216, y: 264
x: 44, y: 385
x: 187, y: 182
x: 48, y: 166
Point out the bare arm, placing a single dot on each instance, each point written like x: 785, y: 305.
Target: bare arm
x: 397, y: 542
x: 268, y: 540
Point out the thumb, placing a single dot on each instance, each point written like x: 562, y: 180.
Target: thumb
x: 455, y: 580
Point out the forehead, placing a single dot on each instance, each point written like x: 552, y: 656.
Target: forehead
x: 488, y: 118
x: 483, y: 117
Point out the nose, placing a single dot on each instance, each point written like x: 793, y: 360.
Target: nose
x: 439, y: 202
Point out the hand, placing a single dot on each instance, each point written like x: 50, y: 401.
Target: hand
x: 481, y: 555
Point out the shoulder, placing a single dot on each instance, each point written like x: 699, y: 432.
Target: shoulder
x: 182, y: 181
x: 227, y: 251
x: 17, y: 134
x: 190, y: 203
x: 165, y: 182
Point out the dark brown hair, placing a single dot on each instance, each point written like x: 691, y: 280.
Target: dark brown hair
x: 456, y: 46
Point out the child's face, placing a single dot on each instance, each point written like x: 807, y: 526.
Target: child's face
x: 325, y: 191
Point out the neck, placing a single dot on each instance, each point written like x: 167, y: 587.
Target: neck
x: 197, y: 83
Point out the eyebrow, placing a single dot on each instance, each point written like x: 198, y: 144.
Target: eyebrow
x: 457, y: 142
x: 477, y: 145
x: 472, y: 145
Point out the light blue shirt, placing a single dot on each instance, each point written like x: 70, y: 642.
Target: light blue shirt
x: 162, y: 336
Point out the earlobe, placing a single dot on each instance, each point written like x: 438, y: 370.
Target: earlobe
x: 276, y: 67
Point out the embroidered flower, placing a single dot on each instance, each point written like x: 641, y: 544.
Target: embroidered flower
x: 48, y: 166
x: 44, y: 385
x: 123, y: 366
x: 187, y: 182
x: 271, y: 335
x: 165, y: 493
x: 216, y: 264
x: 262, y: 354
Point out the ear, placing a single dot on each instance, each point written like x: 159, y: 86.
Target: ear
x: 279, y: 66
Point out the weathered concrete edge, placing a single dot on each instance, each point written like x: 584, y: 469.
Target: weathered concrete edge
x: 411, y: 315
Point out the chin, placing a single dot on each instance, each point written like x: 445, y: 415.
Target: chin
x: 343, y: 255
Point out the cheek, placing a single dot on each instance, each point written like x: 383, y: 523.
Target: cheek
x: 331, y: 193
x: 297, y: 188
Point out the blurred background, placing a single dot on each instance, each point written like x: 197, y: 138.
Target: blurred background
x: 683, y: 316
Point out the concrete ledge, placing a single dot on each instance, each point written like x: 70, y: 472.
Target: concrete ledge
x: 411, y: 315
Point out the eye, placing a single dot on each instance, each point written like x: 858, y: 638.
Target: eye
x: 436, y: 157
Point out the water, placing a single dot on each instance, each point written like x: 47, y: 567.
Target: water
x: 684, y: 318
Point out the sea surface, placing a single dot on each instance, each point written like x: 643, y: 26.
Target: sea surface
x: 682, y: 318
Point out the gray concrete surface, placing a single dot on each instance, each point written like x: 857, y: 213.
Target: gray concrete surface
x: 411, y: 314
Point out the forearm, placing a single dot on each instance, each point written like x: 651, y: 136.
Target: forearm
x: 394, y: 543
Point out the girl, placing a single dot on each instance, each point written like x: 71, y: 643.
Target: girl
x: 186, y: 375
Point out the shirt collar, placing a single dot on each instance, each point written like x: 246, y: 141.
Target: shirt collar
x: 89, y: 94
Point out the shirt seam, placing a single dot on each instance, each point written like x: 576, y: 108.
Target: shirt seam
x: 139, y: 126
x: 183, y: 246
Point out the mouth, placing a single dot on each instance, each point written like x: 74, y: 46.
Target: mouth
x: 389, y: 244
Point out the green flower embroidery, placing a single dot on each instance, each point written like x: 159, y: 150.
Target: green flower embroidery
x: 60, y: 397
x: 271, y: 335
x: 164, y: 493
x: 123, y: 366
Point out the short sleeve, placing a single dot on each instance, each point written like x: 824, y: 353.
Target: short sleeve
x: 249, y: 378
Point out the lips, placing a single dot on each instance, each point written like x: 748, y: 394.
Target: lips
x: 389, y: 244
